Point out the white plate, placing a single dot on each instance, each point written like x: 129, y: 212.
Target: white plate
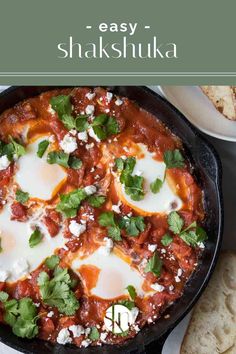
x: 191, y: 101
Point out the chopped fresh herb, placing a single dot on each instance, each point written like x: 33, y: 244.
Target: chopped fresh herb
x: 134, y: 187
x: 133, y: 184
x: 81, y: 123
x: 57, y: 291
x: 42, y: 147
x: 21, y: 315
x: 52, y: 262
x: 68, y: 121
x: 173, y: 159
x: 74, y: 163
x: 58, y: 157
x: 22, y: 197
x: 96, y: 200
x: 133, y: 225
x: 193, y: 235
x: 61, y: 104
x: 175, y: 222
x: 131, y: 291
x: 154, y: 265
x: 94, y: 334
x: 69, y: 203
x: 166, y: 240
x: 104, y: 126
x: 156, y: 186
x: 12, y: 149
x: 120, y: 163
x: 127, y: 303
x: 35, y: 238
x: 107, y: 219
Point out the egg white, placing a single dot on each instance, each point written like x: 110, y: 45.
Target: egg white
x: 150, y: 169
x: 35, y: 176
x: 115, y: 274
x: 15, y: 243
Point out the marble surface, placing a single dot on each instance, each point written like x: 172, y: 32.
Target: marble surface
x: 227, y: 152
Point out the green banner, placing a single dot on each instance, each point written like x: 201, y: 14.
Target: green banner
x: 125, y: 42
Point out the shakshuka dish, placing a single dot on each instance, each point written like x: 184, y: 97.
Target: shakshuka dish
x: 101, y: 218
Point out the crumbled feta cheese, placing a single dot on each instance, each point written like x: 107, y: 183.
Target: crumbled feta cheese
x: 163, y: 250
x: 73, y: 132
x: 109, y: 96
x: 76, y: 229
x: 68, y: 144
x: 65, y: 248
x: 107, y: 110
x: 107, y: 248
x: 92, y: 169
x: 50, y: 314
x: 83, y: 136
x: 90, y: 95
x: 152, y: 248
x: 50, y: 110
x: 125, y: 149
x: 20, y: 267
x: 177, y: 279
x: 4, y: 275
x: 118, y: 102
x: 116, y: 208
x: 64, y: 336
x: 4, y: 162
x: 157, y: 287
x: 201, y: 245
x: 86, y: 342
x: 93, y: 135
x: 136, y: 328
x: 134, y: 312
x: 76, y: 330
x: 179, y: 272
x: 89, y: 109
x: 87, y: 331
x: 37, y: 304
x: 103, y: 336
x: 171, y: 287
x: 52, y: 139
x: 89, y: 190
x: 89, y: 146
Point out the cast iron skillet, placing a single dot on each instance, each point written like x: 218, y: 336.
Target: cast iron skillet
x: 207, y: 168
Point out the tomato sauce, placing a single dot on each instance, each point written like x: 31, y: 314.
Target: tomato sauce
x: 136, y: 126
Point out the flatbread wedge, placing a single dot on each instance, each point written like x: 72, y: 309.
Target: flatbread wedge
x: 223, y: 98
x: 212, y: 328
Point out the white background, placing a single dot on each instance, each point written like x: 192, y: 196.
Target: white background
x: 227, y: 152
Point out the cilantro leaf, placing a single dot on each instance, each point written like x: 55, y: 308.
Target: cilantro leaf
x: 75, y: 163
x: 61, y: 104
x: 57, y: 291
x: 42, y: 147
x: 127, y: 303
x: 35, y: 238
x: 131, y: 291
x: 194, y: 237
x: 104, y: 126
x: 107, y: 219
x: 94, y: 334
x: 22, y: 197
x: 3, y: 296
x: 69, y: 203
x: 52, y: 262
x: 11, y: 149
x: 18, y: 149
x: 175, y: 222
x: 58, y: 157
x: 173, y: 159
x: 81, y: 123
x: 166, y: 240
x: 133, y: 225
x: 68, y: 121
x: 156, y: 186
x: 154, y: 265
x: 114, y: 233
x: 96, y: 200
x: 120, y: 163
x: 134, y: 187
x: 21, y: 316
